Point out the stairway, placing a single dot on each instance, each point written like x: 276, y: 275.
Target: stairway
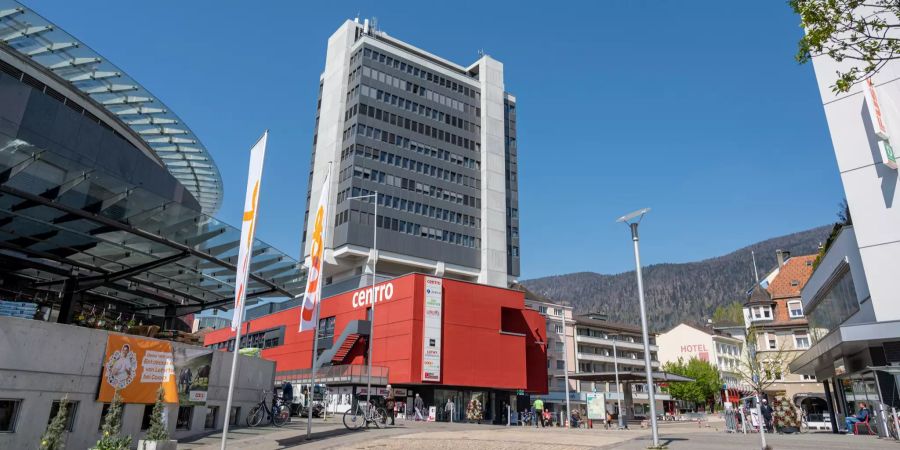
x: 345, y: 348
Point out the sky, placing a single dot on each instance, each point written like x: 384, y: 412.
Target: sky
x: 694, y: 109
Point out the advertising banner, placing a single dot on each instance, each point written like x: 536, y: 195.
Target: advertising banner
x: 433, y: 311
x: 596, y: 406
x: 136, y: 367
x: 316, y: 261
x: 248, y: 228
x: 192, y: 367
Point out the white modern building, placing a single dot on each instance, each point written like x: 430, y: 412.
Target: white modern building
x: 436, y: 140
x: 852, y: 299
x: 687, y: 341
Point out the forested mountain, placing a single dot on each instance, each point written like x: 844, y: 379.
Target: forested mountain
x: 675, y: 292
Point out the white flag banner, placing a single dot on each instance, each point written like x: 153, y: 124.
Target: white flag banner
x: 316, y: 261
x: 248, y: 227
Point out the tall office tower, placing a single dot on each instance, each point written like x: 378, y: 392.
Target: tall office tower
x: 436, y: 140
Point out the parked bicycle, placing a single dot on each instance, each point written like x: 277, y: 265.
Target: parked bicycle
x: 363, y: 415
x: 277, y: 413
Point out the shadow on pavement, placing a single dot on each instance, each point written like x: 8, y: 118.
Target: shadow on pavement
x: 315, y: 436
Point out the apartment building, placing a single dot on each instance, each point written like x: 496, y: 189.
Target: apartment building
x: 560, y: 350
x: 776, y: 322
x: 603, y: 346
x: 719, y: 348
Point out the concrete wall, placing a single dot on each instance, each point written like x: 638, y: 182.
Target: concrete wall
x: 870, y: 185
x: 493, y: 174
x: 41, y: 361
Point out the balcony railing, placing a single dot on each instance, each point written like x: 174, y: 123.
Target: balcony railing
x: 609, y: 343
x: 337, y: 375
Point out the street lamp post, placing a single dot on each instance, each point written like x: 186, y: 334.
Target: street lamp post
x: 619, y: 393
x: 633, y: 225
x: 374, y: 196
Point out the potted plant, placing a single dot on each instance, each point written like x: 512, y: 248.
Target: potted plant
x: 157, y: 437
x: 53, y: 438
x: 112, y: 426
x: 785, y: 416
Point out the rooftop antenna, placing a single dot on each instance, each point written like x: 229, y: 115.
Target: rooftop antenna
x: 480, y: 52
x: 374, y: 25
x: 755, y: 271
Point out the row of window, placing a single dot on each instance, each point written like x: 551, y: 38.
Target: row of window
x: 422, y: 149
x: 764, y: 312
x: 422, y: 110
x: 413, y: 165
x: 801, y: 340
x: 626, y: 354
x: 406, y: 227
x: 402, y: 66
x: 410, y: 206
x: 364, y: 173
x: 414, y: 126
x: 10, y: 409
x: 408, y: 86
x: 259, y: 339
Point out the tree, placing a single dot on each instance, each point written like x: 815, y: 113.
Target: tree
x: 706, y: 384
x: 159, y: 429
x: 53, y: 437
x: 857, y: 31
x: 760, y: 371
x: 112, y: 426
x: 730, y: 313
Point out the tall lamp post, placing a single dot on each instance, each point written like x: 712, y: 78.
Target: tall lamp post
x: 633, y: 220
x: 374, y: 196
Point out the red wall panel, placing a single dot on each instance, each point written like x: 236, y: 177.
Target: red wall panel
x: 475, y: 352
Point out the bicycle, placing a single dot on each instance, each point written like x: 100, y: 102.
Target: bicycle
x: 277, y: 414
x: 356, y: 418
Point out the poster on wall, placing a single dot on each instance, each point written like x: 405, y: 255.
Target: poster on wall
x: 192, y: 367
x: 433, y: 311
x: 136, y: 368
x: 596, y: 406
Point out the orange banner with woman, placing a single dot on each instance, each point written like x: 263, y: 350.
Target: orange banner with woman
x: 136, y: 368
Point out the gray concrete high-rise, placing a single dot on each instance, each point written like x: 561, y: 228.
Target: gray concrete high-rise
x: 436, y: 140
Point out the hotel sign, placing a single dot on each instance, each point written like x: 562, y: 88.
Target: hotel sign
x: 433, y: 312
x: 874, y: 108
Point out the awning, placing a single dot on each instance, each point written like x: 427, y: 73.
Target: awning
x: 62, y: 221
x: 624, y: 377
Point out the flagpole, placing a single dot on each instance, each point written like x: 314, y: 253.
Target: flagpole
x: 234, y: 363
x: 242, y: 269
x: 312, y: 384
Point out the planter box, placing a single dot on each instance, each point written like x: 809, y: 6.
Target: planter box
x: 157, y: 445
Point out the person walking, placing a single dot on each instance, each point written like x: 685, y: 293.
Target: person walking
x: 448, y: 410
x: 419, y: 406
x: 766, y: 412
x: 287, y: 397
x: 861, y: 416
x: 389, y: 403
x: 538, y: 412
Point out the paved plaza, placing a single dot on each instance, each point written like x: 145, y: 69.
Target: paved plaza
x: 427, y: 436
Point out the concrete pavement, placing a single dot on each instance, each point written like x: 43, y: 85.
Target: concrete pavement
x: 427, y: 436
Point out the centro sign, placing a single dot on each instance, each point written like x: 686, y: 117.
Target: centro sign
x: 363, y: 297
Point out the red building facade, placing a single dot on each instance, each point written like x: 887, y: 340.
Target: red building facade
x: 476, y: 337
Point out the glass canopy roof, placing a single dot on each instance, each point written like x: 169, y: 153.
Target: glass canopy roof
x: 60, y: 220
x: 36, y: 38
